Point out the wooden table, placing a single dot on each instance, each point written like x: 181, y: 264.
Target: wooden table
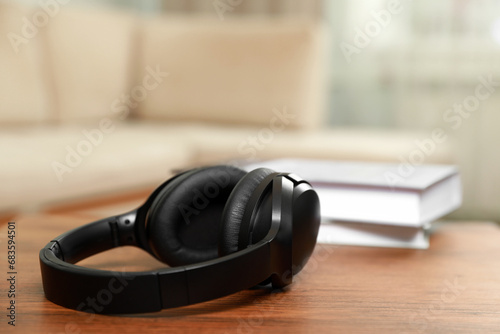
x: 453, y: 287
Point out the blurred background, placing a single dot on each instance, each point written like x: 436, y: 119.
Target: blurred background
x: 104, y: 97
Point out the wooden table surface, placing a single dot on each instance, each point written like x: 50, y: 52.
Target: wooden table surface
x: 453, y: 287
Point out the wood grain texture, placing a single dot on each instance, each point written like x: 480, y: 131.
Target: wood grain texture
x: 453, y: 287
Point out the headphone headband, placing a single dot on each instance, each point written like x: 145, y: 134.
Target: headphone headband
x: 133, y: 292
x: 102, y: 291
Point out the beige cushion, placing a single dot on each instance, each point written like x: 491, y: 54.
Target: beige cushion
x: 235, y: 71
x: 91, y: 58
x: 145, y: 153
x: 215, y: 143
x: 128, y: 157
x: 23, y: 95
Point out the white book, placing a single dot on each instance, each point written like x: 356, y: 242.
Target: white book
x: 379, y: 193
x: 373, y: 235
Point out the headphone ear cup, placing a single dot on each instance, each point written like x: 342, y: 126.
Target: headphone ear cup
x: 183, y: 222
x: 233, y: 213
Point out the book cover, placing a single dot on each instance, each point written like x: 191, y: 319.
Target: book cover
x: 379, y: 193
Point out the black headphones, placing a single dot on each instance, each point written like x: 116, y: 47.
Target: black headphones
x: 220, y: 229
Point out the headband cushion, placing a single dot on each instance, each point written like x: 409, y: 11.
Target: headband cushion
x: 232, y: 215
x: 183, y: 222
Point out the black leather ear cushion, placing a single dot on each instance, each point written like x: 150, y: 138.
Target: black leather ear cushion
x: 184, y: 219
x: 235, y: 209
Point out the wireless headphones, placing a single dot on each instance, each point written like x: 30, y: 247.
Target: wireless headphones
x: 220, y: 230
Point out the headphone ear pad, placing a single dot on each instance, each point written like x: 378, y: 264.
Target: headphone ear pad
x: 183, y: 221
x: 232, y: 216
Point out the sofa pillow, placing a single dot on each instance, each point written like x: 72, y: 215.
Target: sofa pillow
x: 244, y: 70
x: 91, y: 51
x: 23, y: 86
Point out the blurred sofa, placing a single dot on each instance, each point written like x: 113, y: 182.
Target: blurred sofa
x: 103, y: 102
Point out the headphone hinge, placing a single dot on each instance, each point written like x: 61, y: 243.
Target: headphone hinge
x: 56, y: 249
x: 123, y: 229
x: 282, y: 217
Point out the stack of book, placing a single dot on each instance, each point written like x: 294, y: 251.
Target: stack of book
x: 377, y: 204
